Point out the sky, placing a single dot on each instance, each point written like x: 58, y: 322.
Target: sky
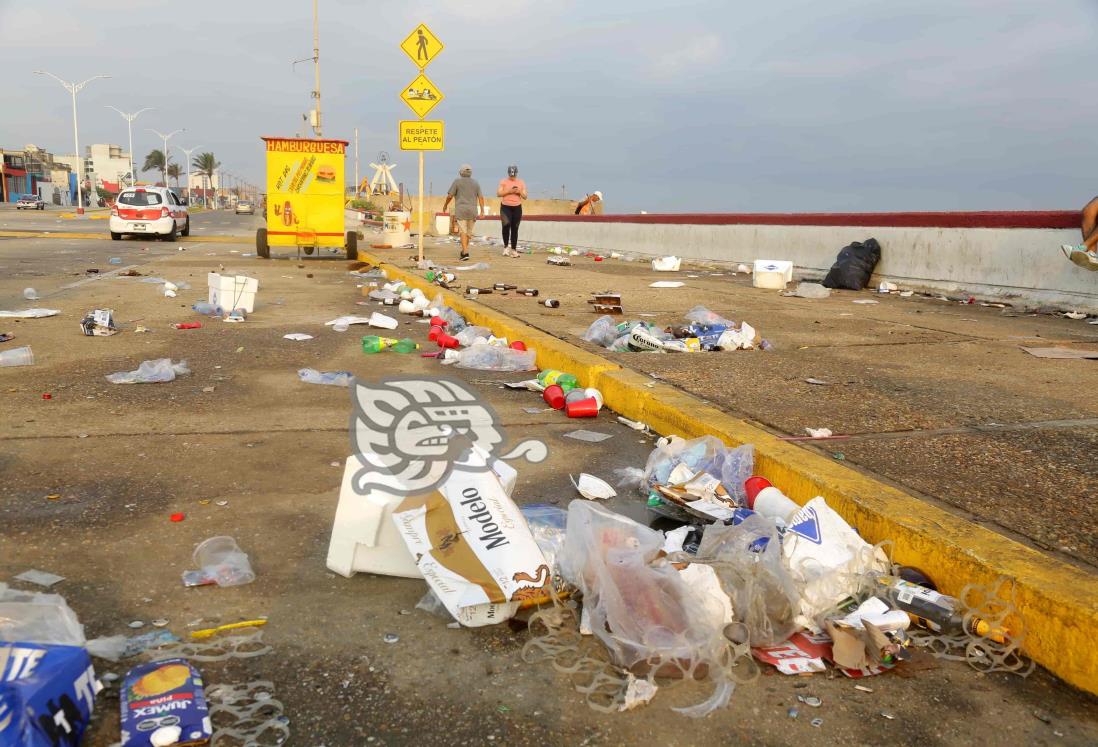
x: 734, y: 106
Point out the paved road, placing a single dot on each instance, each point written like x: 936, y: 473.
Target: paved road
x: 219, y: 222
x: 242, y: 429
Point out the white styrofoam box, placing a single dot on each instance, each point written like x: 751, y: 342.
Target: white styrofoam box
x: 772, y: 273
x: 232, y: 291
x: 364, y: 536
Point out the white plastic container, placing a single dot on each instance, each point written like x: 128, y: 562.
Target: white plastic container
x: 771, y: 502
x: 442, y: 224
x: 772, y: 273
x: 232, y: 292
x: 666, y: 264
x: 17, y: 357
x: 396, y: 229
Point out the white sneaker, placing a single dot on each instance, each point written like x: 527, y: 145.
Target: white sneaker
x: 1081, y: 257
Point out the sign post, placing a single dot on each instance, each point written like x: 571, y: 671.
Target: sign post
x: 421, y: 96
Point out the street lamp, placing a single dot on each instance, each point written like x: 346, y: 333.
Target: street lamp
x: 75, y: 88
x: 165, y: 138
x: 129, y: 126
x: 187, y: 152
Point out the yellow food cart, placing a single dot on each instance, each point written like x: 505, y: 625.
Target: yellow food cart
x: 305, y: 197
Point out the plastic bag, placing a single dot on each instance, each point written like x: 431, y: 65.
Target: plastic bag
x: 332, y: 378
x: 547, y: 524
x: 701, y: 315
x: 484, y: 357
x: 854, y: 265
x: 811, y: 290
x: 749, y: 563
x: 652, y: 622
x: 468, y: 336
x: 34, y: 617
x: 705, y: 454
x: 220, y: 561
x: 151, y: 372
x: 603, y: 331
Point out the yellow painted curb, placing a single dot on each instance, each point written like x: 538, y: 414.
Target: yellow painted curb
x: 1057, y: 601
x: 106, y: 236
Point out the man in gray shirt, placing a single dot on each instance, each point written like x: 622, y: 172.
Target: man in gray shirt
x: 467, y: 197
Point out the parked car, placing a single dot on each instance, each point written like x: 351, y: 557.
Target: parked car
x: 245, y: 207
x: 149, y: 211
x: 30, y: 202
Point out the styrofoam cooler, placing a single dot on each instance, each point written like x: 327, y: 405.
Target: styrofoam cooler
x: 231, y: 292
x: 393, y: 231
x: 442, y: 224
x: 772, y: 273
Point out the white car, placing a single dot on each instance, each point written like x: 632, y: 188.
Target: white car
x: 149, y: 211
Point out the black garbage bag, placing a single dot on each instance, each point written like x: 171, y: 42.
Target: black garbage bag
x: 854, y: 265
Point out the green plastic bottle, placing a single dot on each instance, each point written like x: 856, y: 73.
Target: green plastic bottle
x: 405, y: 346
x: 566, y: 381
x: 375, y: 344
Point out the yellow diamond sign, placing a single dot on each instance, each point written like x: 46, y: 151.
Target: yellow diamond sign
x: 421, y: 46
x: 421, y: 95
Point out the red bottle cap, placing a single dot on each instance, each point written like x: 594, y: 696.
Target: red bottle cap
x: 754, y: 486
x: 177, y: 517
x: 446, y: 341
x: 598, y: 259
x: 47, y: 395
x: 584, y: 408
x: 553, y: 396
x: 518, y: 345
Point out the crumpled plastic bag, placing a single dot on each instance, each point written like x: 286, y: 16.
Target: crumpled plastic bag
x: 701, y: 315
x: 732, y: 466
x: 35, y: 617
x: 749, y: 563
x: 603, y: 331
x: 827, y: 560
x: 651, y: 620
x: 469, y: 335
x: 151, y: 372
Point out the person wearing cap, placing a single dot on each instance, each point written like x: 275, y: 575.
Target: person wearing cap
x: 468, y: 204
x: 587, y: 207
x: 511, y: 191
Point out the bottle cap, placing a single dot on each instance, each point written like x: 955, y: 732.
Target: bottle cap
x: 518, y: 345
x: 754, y: 486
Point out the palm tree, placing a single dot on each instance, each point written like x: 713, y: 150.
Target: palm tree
x: 174, y: 173
x: 155, y: 162
x: 206, y: 165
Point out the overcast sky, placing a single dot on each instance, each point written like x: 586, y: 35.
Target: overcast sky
x: 783, y: 105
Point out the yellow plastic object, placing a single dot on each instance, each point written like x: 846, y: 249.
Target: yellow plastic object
x: 305, y: 192
x: 211, y: 632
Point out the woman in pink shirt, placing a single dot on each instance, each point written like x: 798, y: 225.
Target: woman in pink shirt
x: 512, y: 192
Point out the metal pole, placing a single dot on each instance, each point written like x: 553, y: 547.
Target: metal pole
x: 421, y: 206
x: 356, y: 162
x: 187, y: 152
x: 316, y: 65
x: 75, y: 88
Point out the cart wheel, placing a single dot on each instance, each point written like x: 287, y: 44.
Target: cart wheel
x: 307, y: 249
x: 352, y: 245
x: 262, y: 248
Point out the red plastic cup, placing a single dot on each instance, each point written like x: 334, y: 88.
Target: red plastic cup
x: 553, y: 396
x: 433, y: 333
x: 584, y: 408
x: 753, y: 486
x: 446, y: 341
x: 188, y: 325
x: 598, y: 259
x: 438, y: 321
x: 518, y: 345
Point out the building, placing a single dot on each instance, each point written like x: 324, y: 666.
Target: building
x: 14, y: 182
x: 35, y: 171
x: 110, y: 165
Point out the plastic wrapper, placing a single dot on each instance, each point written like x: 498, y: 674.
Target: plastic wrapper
x: 220, y: 561
x: 603, y: 332
x: 701, y: 315
x: 652, y: 622
x: 331, y: 378
x: 705, y: 454
x: 151, y: 372
x: 547, y: 524
x: 469, y: 335
x: 484, y: 357
x: 748, y: 560
x: 34, y: 617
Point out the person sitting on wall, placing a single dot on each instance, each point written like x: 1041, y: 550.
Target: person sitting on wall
x: 1086, y: 254
x: 587, y: 207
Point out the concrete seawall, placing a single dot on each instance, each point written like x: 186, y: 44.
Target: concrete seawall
x: 1013, y: 256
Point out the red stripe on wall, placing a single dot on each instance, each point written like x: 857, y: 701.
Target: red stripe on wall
x: 993, y: 219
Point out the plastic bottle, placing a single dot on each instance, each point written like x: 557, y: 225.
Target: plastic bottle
x: 552, y: 303
x: 934, y: 610
x: 405, y: 345
x: 565, y: 381
x: 205, y: 307
x: 765, y: 499
x: 331, y: 378
x: 375, y: 344
x: 30, y: 294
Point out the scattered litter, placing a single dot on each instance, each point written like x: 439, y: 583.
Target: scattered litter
x: 666, y: 264
x: 1075, y: 315
x: 159, y: 622
x: 247, y: 714
x: 592, y: 488
x: 332, y: 378
x: 172, y: 681
x: 40, y: 578
x: 634, y: 424
x: 819, y: 432
x: 48, y: 694
x: 211, y: 632
x: 135, y: 624
x: 1059, y: 353
x: 390, y: 638
x: 297, y: 336
x: 887, y: 287
x: 6, y: 336
x: 817, y: 382
x: 817, y: 722
x: 221, y: 562
x: 593, y: 437
x: 854, y: 265
x: 99, y: 323
x: 23, y: 356
x: 29, y: 313
x: 149, y: 372
x: 535, y: 410
x: 666, y: 284
x: 810, y: 290
x: 865, y: 301
x: 30, y: 294
x: 907, y: 294
x: 863, y: 688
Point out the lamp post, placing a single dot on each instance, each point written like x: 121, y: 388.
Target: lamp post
x: 129, y: 127
x: 187, y: 152
x: 75, y: 88
x: 165, y: 138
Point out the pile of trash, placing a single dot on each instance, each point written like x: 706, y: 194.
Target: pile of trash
x: 705, y: 331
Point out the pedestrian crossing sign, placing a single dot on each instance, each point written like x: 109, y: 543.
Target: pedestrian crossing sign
x: 421, y: 46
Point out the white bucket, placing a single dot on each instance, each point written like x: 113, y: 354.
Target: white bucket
x: 442, y: 224
x: 396, y: 228
x: 772, y: 273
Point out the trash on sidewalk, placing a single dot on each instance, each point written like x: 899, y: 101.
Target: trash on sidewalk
x: 151, y: 372
x: 592, y: 488
x: 592, y: 437
x: 22, y: 356
x: 39, y: 578
x: 99, y: 323
x: 865, y: 301
x: 773, y: 274
x: 819, y: 432
x: 220, y: 562
x: 854, y: 265
x: 887, y: 287
x: 30, y: 294
x: 297, y: 336
x: 47, y: 694
x: 38, y: 617
x: 6, y: 336
x: 331, y: 378
x: 375, y: 344
x: 666, y: 284
x: 666, y: 264
x: 153, y: 692
x: 231, y: 292
x: 486, y: 357
x: 29, y: 313
x: 186, y: 325
x: 810, y: 290
x: 606, y: 302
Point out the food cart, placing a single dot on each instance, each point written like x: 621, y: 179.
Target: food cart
x: 305, y: 197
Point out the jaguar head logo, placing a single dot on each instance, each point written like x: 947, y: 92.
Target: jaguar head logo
x: 410, y: 433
